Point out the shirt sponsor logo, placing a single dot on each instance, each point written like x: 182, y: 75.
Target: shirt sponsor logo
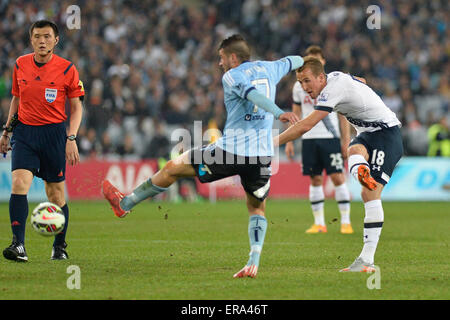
x: 50, y: 94
x: 249, y: 117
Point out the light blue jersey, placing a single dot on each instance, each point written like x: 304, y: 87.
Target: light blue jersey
x: 248, y: 129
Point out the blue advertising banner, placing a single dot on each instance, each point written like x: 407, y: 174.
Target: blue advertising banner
x: 37, y: 189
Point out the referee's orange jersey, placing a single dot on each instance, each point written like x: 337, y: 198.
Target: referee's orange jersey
x: 43, y: 90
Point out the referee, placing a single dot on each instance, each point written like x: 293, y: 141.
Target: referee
x: 40, y: 142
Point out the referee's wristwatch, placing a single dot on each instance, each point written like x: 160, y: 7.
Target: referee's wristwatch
x: 72, y: 137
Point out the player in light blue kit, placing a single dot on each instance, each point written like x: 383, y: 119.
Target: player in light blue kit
x: 245, y: 149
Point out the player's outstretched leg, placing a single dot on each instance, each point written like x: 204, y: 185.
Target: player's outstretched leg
x: 171, y: 172
x: 114, y: 196
x: 365, y: 178
x: 122, y: 204
x: 360, y: 170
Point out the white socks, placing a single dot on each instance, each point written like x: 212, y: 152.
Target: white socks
x: 353, y: 163
x: 317, y: 197
x: 342, y: 196
x: 373, y: 223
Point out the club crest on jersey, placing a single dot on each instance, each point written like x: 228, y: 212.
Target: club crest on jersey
x: 323, y: 97
x: 50, y: 94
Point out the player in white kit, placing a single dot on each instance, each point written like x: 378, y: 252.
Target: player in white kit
x: 373, y: 153
x: 324, y: 147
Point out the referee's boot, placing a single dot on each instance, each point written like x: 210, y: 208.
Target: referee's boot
x: 16, y: 251
x: 59, y: 252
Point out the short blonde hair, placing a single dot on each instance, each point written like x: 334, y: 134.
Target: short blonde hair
x: 314, y: 50
x: 312, y: 64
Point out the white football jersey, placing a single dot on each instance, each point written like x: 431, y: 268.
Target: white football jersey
x: 362, y: 107
x: 327, y: 128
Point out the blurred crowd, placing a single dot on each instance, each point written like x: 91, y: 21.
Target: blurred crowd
x: 151, y: 66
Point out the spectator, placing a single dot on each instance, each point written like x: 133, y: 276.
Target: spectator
x: 439, y: 137
x: 107, y: 148
x: 127, y: 149
x: 88, y: 143
x: 393, y: 100
x: 159, y: 146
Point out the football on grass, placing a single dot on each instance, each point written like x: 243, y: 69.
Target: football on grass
x: 47, y: 219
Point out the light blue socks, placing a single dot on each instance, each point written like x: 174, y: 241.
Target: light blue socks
x: 257, y: 226
x: 143, y: 191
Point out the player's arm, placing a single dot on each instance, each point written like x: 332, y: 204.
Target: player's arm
x: 297, y: 109
x: 297, y: 130
x: 13, y: 108
x: 5, y: 138
x: 289, y: 148
x: 332, y: 96
x: 14, y: 105
x: 285, y: 65
x: 296, y: 61
x: 344, y: 126
x: 268, y: 105
x: 76, y: 113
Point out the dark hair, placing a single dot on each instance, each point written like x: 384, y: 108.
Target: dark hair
x: 236, y: 44
x: 42, y: 24
x: 314, y: 50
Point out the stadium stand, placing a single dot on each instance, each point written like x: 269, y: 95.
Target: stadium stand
x: 147, y: 62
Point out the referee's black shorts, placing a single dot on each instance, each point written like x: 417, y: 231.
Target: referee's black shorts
x: 40, y: 149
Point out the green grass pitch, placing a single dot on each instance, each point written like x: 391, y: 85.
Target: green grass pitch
x: 191, y: 251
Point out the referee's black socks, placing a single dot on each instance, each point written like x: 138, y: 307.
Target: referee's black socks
x: 18, y: 214
x: 60, y: 238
